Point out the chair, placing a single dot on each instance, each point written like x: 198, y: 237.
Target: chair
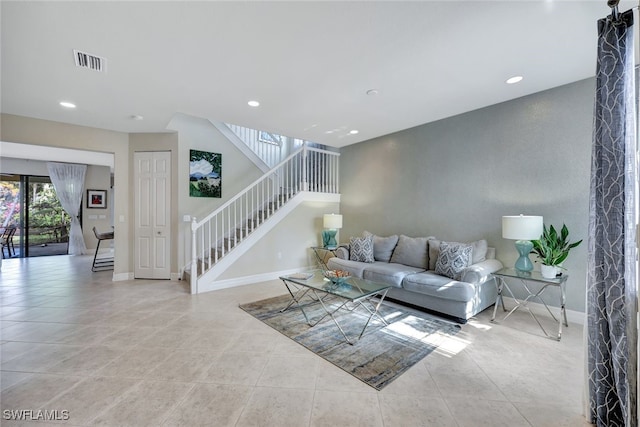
x: 7, y: 241
x: 106, y: 263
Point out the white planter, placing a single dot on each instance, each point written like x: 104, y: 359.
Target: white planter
x: 549, y: 271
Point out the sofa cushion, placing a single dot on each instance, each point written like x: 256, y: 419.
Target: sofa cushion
x: 382, y: 246
x: 356, y: 268
x: 453, y: 259
x: 389, y: 273
x: 480, y: 249
x: 361, y: 249
x: 429, y: 283
x: 411, y: 251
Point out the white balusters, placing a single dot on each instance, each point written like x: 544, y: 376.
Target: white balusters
x: 307, y: 169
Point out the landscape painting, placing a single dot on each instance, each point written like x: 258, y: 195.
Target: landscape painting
x: 205, y: 174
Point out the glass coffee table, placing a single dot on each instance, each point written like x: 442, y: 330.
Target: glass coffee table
x: 350, y: 294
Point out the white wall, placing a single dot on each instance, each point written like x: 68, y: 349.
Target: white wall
x: 238, y: 171
x: 287, y: 245
x: 97, y: 178
x: 25, y: 130
x: 23, y: 167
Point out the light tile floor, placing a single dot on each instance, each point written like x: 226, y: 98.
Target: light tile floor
x: 146, y: 353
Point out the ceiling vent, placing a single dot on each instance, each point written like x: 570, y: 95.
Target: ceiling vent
x: 92, y: 62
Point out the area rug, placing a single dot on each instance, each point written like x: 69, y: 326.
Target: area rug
x: 379, y: 357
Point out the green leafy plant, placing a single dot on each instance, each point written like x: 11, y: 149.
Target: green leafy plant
x: 553, y: 248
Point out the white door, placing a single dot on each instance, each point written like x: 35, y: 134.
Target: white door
x: 152, y: 234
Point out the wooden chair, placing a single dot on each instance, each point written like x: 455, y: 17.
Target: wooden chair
x: 7, y: 241
x: 100, y: 264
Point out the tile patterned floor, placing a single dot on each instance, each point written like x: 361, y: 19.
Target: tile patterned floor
x: 146, y: 353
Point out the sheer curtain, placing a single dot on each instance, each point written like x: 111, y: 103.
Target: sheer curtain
x: 68, y: 180
x: 611, y: 276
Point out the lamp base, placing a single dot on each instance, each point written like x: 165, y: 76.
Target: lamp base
x: 329, y: 238
x: 524, y: 248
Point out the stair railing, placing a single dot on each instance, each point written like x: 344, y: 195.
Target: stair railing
x: 307, y: 169
x: 270, y: 153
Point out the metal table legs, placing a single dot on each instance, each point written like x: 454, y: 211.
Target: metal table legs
x: 299, y: 292
x: 502, y: 285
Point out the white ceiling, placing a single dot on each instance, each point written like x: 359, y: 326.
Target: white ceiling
x: 309, y: 63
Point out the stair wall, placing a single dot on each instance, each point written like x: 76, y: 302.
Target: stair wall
x: 284, y: 249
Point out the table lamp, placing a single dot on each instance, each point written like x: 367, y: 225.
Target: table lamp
x: 522, y: 229
x: 331, y: 223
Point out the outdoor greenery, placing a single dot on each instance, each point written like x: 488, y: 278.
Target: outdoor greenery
x: 48, y: 223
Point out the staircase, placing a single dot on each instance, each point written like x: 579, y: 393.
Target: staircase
x: 219, y: 239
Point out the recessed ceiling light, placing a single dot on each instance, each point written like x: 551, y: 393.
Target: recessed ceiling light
x: 372, y: 92
x: 353, y: 132
x: 514, y: 79
x: 67, y: 104
x: 253, y: 103
x: 136, y: 117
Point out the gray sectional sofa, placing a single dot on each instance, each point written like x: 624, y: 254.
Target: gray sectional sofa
x: 449, y: 278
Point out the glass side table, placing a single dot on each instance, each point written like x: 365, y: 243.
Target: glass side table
x: 322, y: 256
x: 528, y: 281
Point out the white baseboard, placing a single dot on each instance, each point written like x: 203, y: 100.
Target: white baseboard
x: 119, y: 277
x: 248, y: 280
x: 573, y: 316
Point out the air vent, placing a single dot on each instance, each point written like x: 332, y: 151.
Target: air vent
x: 92, y: 62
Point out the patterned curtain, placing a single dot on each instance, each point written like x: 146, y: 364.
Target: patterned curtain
x: 611, y: 281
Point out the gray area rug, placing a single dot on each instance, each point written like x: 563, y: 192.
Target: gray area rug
x: 379, y: 357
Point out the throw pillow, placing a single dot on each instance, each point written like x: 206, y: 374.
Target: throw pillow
x: 411, y: 251
x: 382, y: 246
x: 479, y: 252
x: 434, y: 251
x: 453, y: 259
x: 361, y: 249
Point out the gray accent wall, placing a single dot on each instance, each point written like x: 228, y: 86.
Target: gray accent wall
x: 455, y: 178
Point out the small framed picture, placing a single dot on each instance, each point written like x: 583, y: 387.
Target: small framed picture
x: 97, y: 199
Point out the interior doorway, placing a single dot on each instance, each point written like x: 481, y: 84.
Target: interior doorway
x: 28, y: 204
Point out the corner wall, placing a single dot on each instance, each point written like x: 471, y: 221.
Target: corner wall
x: 26, y: 130
x: 455, y: 178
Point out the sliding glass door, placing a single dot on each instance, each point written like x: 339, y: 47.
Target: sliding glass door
x: 29, y: 204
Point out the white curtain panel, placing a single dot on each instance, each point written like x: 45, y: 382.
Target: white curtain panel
x: 68, y: 180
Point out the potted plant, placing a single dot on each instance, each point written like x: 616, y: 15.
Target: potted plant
x: 552, y: 249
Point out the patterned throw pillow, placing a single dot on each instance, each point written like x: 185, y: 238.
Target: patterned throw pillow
x: 453, y: 259
x: 361, y: 249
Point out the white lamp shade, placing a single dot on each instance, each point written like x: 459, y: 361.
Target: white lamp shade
x: 332, y: 221
x: 522, y: 227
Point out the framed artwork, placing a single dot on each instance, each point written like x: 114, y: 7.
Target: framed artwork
x: 205, y: 174
x: 97, y: 199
